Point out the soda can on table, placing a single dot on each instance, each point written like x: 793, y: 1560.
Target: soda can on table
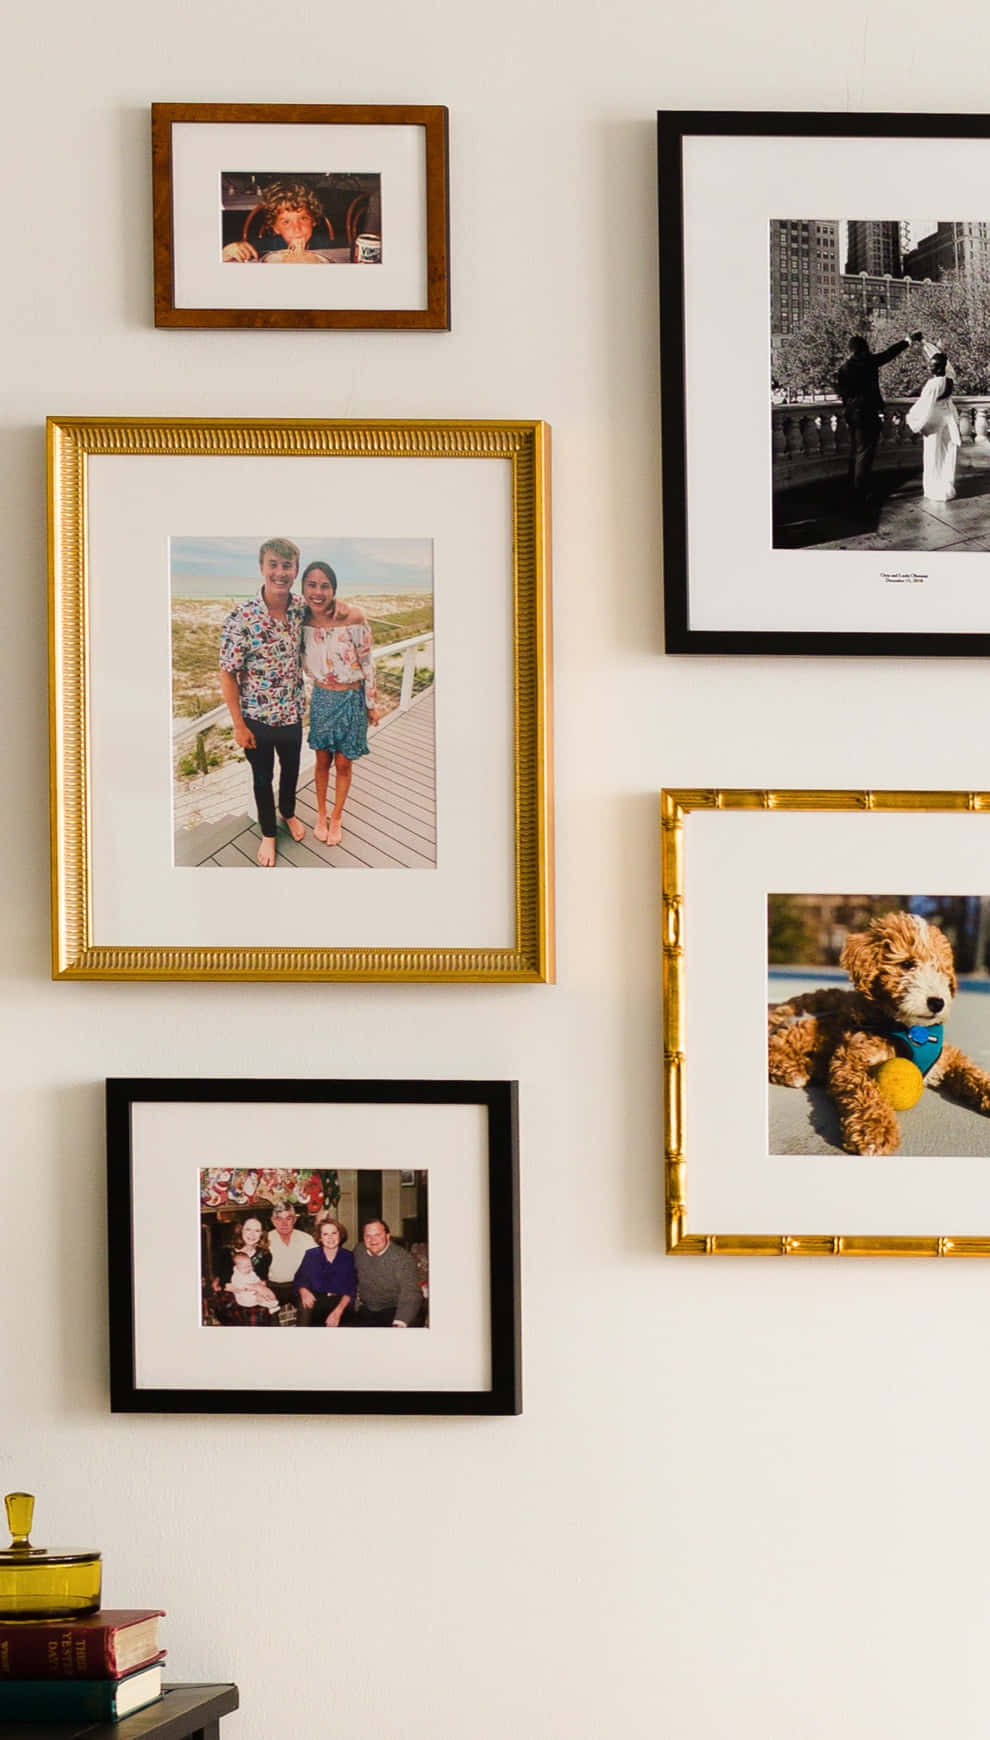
x: 367, y: 250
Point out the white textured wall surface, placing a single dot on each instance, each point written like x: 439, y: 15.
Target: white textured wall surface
x: 743, y: 1499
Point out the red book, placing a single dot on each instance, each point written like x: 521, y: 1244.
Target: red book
x: 102, y: 1646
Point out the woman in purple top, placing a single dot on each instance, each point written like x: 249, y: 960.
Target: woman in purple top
x: 326, y: 1279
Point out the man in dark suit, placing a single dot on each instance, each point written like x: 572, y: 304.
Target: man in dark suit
x: 858, y: 385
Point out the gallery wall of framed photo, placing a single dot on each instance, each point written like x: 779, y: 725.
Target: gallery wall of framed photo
x: 545, y: 567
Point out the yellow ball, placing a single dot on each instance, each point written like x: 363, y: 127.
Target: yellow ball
x: 900, y: 1081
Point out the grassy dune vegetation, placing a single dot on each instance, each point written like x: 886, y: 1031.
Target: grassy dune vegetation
x: 196, y: 625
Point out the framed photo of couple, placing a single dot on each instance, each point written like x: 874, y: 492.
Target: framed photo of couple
x: 359, y: 188
x: 422, y: 1236
x: 825, y: 382
x: 826, y: 1023
x: 285, y: 646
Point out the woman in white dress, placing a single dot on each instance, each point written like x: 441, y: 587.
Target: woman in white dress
x: 934, y: 416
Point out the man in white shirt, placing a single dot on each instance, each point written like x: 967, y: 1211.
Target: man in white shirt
x: 288, y: 1246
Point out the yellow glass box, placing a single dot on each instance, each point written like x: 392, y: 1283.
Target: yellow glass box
x: 38, y: 1584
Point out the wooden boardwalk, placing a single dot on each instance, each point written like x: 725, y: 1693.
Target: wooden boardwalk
x: 389, y: 822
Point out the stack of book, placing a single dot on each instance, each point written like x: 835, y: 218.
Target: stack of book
x: 65, y: 1670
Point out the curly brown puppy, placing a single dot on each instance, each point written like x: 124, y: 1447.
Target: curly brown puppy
x: 903, y: 986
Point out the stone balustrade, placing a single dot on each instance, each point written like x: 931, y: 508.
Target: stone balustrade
x: 811, y: 440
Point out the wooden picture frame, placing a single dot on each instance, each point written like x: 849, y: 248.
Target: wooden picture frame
x: 398, y: 278
x: 173, y: 1351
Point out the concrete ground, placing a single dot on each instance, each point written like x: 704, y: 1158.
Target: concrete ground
x: 803, y: 1120
x: 817, y: 516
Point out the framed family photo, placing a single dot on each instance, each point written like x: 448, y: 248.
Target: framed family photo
x: 362, y: 189
x: 825, y: 382
x: 204, y: 1245
x: 300, y: 646
x: 827, y: 1022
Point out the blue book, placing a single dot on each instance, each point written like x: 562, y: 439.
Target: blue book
x: 67, y: 1700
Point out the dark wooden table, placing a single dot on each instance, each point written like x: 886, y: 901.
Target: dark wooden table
x: 184, y: 1713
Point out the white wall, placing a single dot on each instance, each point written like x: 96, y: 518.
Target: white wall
x: 744, y: 1499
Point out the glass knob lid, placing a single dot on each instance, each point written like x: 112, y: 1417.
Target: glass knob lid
x: 20, y: 1513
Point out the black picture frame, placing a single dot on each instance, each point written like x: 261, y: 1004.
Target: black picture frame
x: 500, y: 1102
x: 674, y: 127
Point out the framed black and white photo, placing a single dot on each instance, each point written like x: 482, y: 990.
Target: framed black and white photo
x: 825, y: 382
x: 358, y: 189
x: 206, y: 1243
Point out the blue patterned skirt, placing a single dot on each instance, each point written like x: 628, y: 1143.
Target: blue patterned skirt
x: 338, y: 721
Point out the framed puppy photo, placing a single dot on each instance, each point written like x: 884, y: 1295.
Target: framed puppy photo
x: 342, y: 665
x: 825, y: 376
x: 204, y: 1247
x: 827, y: 1022
x: 361, y: 189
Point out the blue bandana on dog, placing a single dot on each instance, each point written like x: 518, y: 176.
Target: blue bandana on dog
x: 921, y: 1045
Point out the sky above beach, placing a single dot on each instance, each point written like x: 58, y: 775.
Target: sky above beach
x: 228, y: 567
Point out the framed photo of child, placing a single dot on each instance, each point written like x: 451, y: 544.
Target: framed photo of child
x: 240, y: 187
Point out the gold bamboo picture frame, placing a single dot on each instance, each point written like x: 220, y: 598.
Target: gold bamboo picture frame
x: 129, y: 498
x: 888, y: 894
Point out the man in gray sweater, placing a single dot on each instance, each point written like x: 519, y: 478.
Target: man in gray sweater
x: 388, y: 1283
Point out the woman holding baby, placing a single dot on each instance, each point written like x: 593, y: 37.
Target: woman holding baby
x: 241, y: 1294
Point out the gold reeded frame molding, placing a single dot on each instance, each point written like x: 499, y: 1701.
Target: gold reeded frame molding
x: 675, y: 806
x: 72, y: 441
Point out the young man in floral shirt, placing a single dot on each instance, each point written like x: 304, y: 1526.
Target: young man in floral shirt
x: 262, y: 684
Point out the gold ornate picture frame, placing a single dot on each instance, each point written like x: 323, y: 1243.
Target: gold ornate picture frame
x: 850, y: 928
x: 155, y: 533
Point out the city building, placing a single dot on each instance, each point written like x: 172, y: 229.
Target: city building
x: 866, y: 295
x: 952, y: 247
x: 873, y: 247
x: 804, y: 269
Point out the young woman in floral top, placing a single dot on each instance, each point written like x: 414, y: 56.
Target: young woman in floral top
x: 337, y: 655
